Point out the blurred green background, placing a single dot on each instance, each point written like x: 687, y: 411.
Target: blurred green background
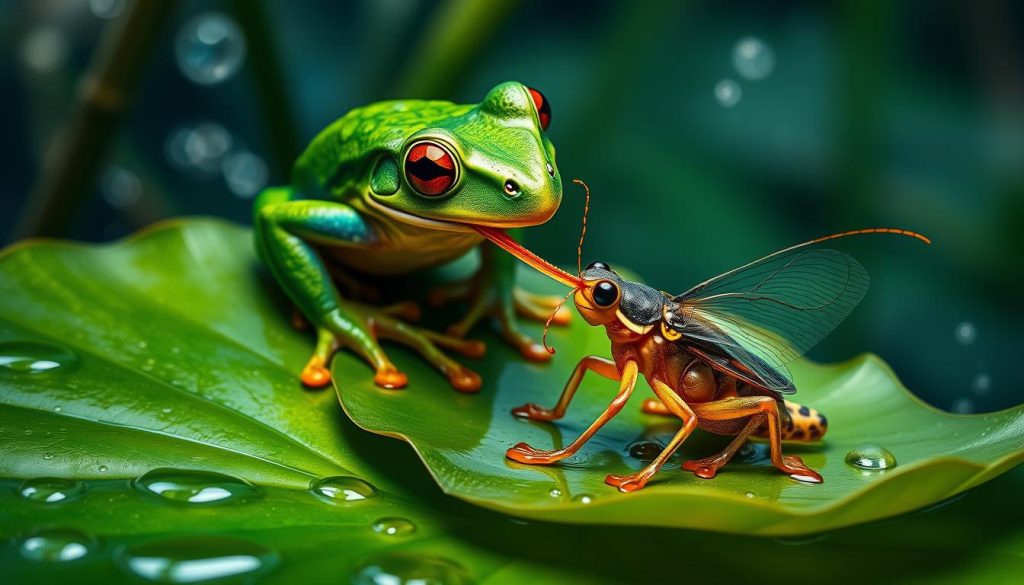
x: 711, y: 133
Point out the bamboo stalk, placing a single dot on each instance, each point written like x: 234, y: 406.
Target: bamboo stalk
x: 69, y: 169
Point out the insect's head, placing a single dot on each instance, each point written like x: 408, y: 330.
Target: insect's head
x: 599, y: 295
x: 605, y: 298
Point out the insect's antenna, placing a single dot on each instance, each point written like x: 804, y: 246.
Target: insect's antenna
x: 579, y: 266
x: 583, y: 233
x: 547, y: 324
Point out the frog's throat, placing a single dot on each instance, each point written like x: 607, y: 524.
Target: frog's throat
x: 504, y: 241
x: 495, y: 234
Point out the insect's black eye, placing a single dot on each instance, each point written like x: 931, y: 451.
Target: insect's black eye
x: 598, y: 265
x: 605, y: 293
x: 430, y: 168
x: 543, y: 108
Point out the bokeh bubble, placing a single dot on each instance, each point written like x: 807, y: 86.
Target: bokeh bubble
x: 210, y: 48
x: 753, y: 59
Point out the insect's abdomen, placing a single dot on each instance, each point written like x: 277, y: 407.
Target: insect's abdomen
x: 799, y: 423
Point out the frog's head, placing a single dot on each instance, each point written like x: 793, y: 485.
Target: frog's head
x: 485, y: 166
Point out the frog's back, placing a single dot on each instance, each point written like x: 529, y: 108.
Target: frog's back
x: 343, y: 149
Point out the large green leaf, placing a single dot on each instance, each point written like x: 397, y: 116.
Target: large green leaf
x: 463, y: 440
x: 175, y: 356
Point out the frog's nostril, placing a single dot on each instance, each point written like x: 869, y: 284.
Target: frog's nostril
x: 512, y: 188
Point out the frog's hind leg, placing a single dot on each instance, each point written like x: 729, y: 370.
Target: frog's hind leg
x: 757, y: 407
x: 287, y: 231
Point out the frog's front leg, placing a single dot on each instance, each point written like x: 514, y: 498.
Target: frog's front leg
x: 288, y: 230
x: 492, y: 291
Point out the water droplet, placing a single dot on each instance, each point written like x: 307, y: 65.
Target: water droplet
x: 57, y: 409
x: 31, y: 357
x: 342, y: 489
x: 50, y: 490
x: 210, y: 48
x: 965, y: 333
x: 962, y: 406
x: 394, y: 527
x: 749, y: 494
x: 583, y: 499
x: 728, y: 93
x: 167, y: 410
x: 195, y: 487
x: 410, y: 569
x: 48, y: 456
x: 555, y: 493
x: 121, y: 188
x: 102, y: 468
x: 56, y: 546
x: 143, y: 345
x: 245, y: 173
x: 645, y: 450
x: 106, y: 9
x: 753, y: 59
x: 871, y: 457
x: 196, y: 558
x: 982, y: 384
x: 45, y: 49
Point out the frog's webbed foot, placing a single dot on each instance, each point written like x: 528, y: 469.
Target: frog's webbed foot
x: 487, y: 298
x: 358, y: 327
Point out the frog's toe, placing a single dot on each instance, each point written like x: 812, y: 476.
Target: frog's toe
x: 464, y: 380
x: 528, y: 348
x: 315, y: 374
x: 390, y: 378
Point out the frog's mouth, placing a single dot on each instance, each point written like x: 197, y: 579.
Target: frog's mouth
x: 504, y: 241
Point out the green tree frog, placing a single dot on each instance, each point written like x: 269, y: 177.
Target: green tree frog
x: 399, y: 186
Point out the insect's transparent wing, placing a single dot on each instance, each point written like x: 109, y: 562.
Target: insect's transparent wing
x: 726, y: 354
x: 771, y: 311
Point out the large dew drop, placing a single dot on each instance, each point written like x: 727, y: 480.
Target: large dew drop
x: 394, y: 527
x: 50, y: 490
x: 56, y: 546
x: 197, y: 559
x: 195, y: 487
x: 31, y: 357
x: 409, y: 569
x: 871, y: 457
x: 342, y: 488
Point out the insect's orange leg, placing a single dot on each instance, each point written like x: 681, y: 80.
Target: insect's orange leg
x: 601, y: 366
x: 734, y: 408
x: 709, y: 466
x: 629, y: 483
x: 524, y: 453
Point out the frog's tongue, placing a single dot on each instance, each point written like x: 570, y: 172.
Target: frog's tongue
x: 505, y: 242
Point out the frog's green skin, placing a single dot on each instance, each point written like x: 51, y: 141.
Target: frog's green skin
x: 351, y: 206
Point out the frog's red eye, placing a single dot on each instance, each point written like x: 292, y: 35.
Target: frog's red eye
x: 430, y: 168
x: 543, y: 108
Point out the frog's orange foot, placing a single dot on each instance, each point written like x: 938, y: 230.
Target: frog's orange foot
x: 315, y: 374
x: 535, y: 412
x: 706, y: 468
x: 390, y: 378
x: 794, y: 466
x: 627, y: 483
x: 524, y: 453
x: 655, y: 406
x: 464, y: 380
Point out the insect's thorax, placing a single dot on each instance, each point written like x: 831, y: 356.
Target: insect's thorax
x: 668, y: 362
